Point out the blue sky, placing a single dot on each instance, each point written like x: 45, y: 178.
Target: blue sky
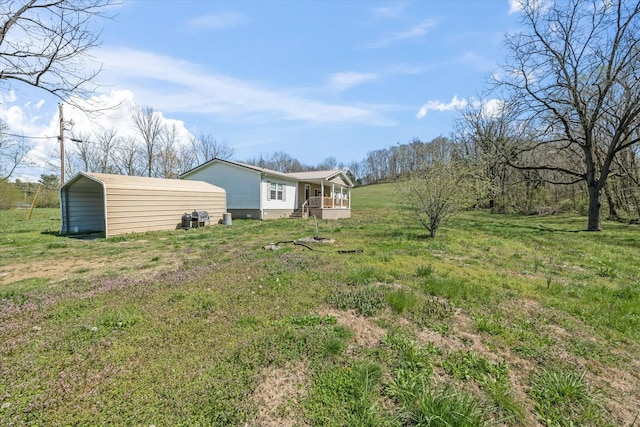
x: 310, y: 78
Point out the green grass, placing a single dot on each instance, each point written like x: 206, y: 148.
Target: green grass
x: 563, y: 398
x: 181, y: 327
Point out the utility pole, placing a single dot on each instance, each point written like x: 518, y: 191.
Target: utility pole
x: 61, y: 138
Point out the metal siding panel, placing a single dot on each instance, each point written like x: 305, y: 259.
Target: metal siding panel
x: 158, y: 210
x: 242, y: 185
x: 137, y: 203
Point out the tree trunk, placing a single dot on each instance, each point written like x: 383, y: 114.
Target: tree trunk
x: 433, y: 226
x: 594, y: 208
x: 613, y: 212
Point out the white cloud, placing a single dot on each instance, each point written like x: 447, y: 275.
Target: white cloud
x: 22, y: 119
x: 221, y: 21
x: 493, y: 107
x: 394, y: 10
x: 413, y: 33
x: 39, y: 129
x: 114, y: 112
x: 440, y: 106
x: 515, y: 6
x: 118, y: 118
x: 173, y: 85
x: 10, y: 97
x: 41, y: 125
x: 347, y: 80
x: 488, y: 108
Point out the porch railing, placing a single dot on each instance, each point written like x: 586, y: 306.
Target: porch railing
x: 328, y: 202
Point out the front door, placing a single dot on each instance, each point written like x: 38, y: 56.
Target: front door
x: 307, y: 191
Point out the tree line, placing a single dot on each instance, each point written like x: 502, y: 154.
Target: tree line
x: 154, y: 149
x: 564, y: 132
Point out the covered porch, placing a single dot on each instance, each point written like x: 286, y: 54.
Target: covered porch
x: 325, y: 200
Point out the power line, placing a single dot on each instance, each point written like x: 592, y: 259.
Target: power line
x: 28, y: 137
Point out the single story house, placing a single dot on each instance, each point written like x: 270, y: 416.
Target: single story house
x: 117, y: 204
x: 259, y: 193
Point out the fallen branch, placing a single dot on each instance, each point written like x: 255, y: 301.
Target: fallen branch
x: 275, y: 247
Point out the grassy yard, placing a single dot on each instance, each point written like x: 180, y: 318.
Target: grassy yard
x: 500, y: 320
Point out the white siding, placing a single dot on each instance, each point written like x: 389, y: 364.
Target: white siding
x: 290, y: 196
x: 242, y: 185
x: 338, y: 181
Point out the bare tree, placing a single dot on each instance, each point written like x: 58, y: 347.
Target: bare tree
x: 107, y: 141
x: 92, y: 152
x: 149, y: 126
x: 13, y: 152
x: 441, y: 189
x: 81, y: 154
x: 46, y: 44
x: 205, y: 147
x: 575, y: 73
x: 127, y: 158
x: 330, y: 163
x: 486, y: 135
x: 355, y: 168
x: 168, y: 159
x: 187, y: 158
x: 279, y: 161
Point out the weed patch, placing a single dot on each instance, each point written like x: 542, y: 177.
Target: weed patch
x: 346, y: 395
x: 366, y: 301
x: 120, y: 318
x: 362, y: 276
x: 422, y: 403
x: 401, y: 300
x: 563, y: 398
x: 424, y: 271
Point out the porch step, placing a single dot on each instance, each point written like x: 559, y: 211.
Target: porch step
x: 296, y: 214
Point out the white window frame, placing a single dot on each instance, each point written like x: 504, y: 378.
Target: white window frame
x: 276, y: 191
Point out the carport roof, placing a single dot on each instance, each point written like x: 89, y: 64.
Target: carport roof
x: 145, y: 183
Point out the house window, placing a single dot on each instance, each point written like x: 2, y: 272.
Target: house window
x: 276, y: 191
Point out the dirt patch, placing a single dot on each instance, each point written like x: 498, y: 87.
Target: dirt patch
x: 53, y: 269
x: 624, y: 398
x: 72, y: 266
x: 281, y: 389
x: 463, y: 338
x: 365, y: 332
x: 278, y: 394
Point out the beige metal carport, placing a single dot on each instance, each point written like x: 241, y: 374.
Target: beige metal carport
x: 117, y: 204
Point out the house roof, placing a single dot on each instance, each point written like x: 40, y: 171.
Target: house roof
x: 316, y: 175
x: 242, y: 165
x: 296, y: 176
x: 145, y: 183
